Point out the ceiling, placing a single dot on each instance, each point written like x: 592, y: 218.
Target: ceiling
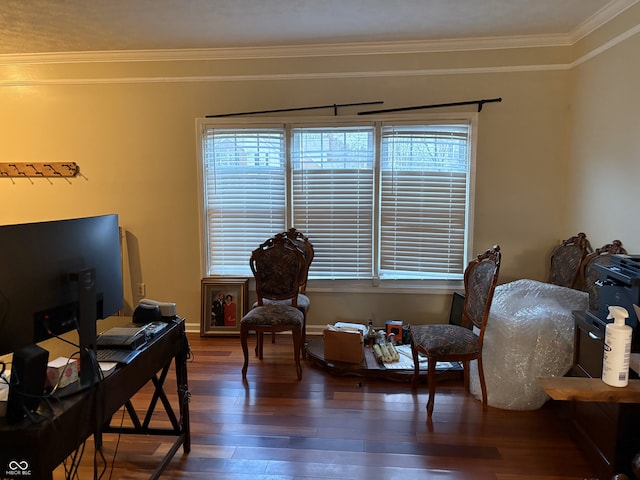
x: 45, y: 26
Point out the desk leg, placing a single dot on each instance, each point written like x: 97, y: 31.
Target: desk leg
x: 183, y: 392
x: 159, y: 394
x: 183, y: 405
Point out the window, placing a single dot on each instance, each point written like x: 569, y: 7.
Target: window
x: 381, y: 200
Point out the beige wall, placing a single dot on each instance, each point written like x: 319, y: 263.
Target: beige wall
x: 605, y: 148
x: 131, y: 128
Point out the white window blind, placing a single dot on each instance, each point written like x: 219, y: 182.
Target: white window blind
x: 424, y: 199
x: 245, y: 187
x: 377, y: 199
x: 333, y: 197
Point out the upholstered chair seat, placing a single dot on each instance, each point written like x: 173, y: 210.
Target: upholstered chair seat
x: 446, y: 340
x: 273, y: 315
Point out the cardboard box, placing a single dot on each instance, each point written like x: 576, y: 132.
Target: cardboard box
x: 343, y: 346
x: 62, y: 370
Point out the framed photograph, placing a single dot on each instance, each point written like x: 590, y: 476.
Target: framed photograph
x: 224, y: 303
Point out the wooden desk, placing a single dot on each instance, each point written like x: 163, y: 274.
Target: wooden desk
x: 66, y: 423
x: 605, y: 420
x: 590, y: 390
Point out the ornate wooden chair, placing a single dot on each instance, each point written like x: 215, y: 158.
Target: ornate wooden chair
x: 277, y: 266
x: 589, y: 275
x: 566, y: 259
x: 455, y: 343
x: 303, y: 243
x: 304, y: 303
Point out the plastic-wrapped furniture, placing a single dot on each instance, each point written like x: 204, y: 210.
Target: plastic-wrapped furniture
x: 455, y: 343
x: 530, y: 334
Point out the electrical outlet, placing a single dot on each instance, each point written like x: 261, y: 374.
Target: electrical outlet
x: 142, y: 290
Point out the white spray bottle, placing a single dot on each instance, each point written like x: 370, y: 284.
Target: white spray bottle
x: 617, y: 348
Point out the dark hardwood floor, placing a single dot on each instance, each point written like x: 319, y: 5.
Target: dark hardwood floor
x: 329, y: 427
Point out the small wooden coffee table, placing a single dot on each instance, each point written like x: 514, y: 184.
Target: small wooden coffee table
x: 370, y: 368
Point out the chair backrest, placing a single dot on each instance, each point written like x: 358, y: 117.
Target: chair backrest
x: 480, y: 279
x: 306, y: 247
x: 277, y: 265
x: 566, y: 259
x: 589, y: 275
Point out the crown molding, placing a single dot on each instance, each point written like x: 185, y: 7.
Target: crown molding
x: 606, y: 46
x: 292, y: 51
x: 284, y: 76
x: 611, y: 10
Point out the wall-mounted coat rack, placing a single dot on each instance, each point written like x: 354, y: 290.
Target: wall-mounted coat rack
x: 49, y: 170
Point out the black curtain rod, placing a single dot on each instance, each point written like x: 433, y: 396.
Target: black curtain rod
x: 480, y: 104
x: 334, y: 106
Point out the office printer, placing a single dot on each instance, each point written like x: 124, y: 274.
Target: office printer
x: 619, y: 284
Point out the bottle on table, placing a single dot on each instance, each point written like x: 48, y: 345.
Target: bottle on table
x: 370, y: 337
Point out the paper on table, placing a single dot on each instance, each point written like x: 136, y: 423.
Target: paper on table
x: 107, y: 368
x: 406, y: 361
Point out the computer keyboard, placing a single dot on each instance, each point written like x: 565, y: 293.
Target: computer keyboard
x: 117, y: 355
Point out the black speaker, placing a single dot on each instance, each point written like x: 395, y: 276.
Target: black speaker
x: 146, y: 313
x: 26, y: 385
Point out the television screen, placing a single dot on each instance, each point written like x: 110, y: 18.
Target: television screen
x: 41, y: 267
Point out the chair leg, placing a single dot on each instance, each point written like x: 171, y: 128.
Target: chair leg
x: 297, y: 344
x: 303, y: 344
x: 416, y: 366
x: 259, y: 344
x: 245, y: 350
x: 466, y: 374
x: 432, y: 385
x: 483, y: 385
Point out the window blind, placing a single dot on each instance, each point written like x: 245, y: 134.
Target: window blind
x: 245, y: 186
x: 424, y: 196
x: 332, y: 195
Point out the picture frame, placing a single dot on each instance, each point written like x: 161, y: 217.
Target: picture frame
x: 220, y: 317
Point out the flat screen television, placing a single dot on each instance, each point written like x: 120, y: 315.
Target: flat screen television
x: 57, y: 276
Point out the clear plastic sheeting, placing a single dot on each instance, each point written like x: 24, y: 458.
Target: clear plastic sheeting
x: 529, y: 335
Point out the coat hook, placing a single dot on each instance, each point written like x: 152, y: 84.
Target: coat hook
x: 42, y: 170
